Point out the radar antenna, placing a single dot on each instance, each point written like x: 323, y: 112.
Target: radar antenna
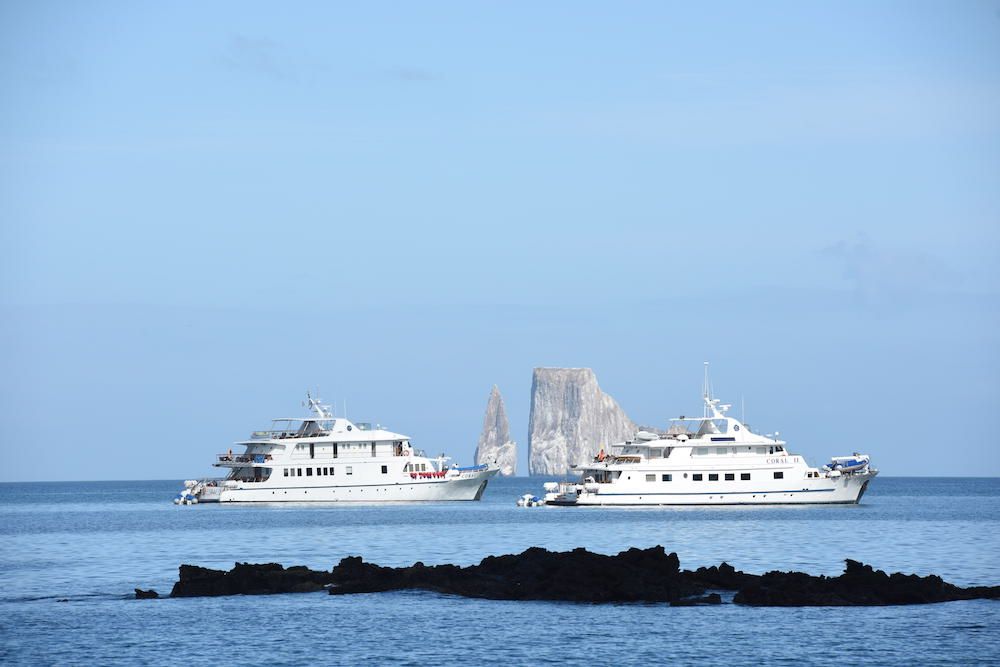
x: 316, y: 405
x: 706, y: 392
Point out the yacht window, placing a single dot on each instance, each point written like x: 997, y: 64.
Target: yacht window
x: 423, y: 467
x: 309, y: 472
x: 713, y: 477
x: 300, y: 472
x: 779, y: 449
x: 701, y: 451
x: 779, y: 475
x: 761, y: 450
x: 285, y: 470
x: 730, y: 477
x: 667, y: 478
x: 650, y: 478
x: 745, y: 476
x: 385, y: 470
x: 350, y: 470
x: 696, y: 477
x: 325, y: 472
x: 721, y: 450
x: 312, y: 450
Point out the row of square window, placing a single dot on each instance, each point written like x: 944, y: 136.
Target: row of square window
x: 712, y: 477
x: 322, y: 472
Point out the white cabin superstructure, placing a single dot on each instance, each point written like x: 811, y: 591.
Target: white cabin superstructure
x: 324, y: 458
x: 711, y: 460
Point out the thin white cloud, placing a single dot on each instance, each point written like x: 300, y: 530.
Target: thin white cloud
x: 877, y: 273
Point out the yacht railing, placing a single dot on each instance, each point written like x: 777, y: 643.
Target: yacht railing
x: 281, y: 435
x: 242, y: 458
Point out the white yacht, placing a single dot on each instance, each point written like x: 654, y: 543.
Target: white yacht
x: 330, y: 459
x: 711, y: 460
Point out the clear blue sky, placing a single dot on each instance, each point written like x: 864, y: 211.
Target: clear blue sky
x: 206, y: 208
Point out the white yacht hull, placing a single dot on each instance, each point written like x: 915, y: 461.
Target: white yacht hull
x: 469, y: 486
x: 844, y: 490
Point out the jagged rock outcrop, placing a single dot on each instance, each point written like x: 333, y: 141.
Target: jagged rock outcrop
x: 495, y: 444
x: 859, y: 585
x: 635, y: 575
x: 571, y: 420
x: 247, y: 579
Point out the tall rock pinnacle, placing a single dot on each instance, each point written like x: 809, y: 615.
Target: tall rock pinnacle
x: 571, y: 419
x: 494, y: 442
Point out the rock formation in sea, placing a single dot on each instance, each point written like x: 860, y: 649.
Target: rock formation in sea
x: 247, y: 579
x: 571, y: 420
x: 635, y: 575
x: 494, y: 442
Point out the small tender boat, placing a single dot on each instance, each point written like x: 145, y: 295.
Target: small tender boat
x: 552, y: 491
x: 848, y: 463
x: 529, y: 500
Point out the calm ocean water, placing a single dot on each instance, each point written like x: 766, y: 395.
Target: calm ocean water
x: 71, y: 553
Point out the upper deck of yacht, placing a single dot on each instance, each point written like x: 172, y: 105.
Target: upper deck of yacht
x: 715, y: 433
x: 322, y: 425
x: 315, y: 427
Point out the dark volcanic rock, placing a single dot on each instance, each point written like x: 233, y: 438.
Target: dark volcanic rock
x: 247, y: 579
x: 146, y: 595
x: 724, y: 577
x: 859, y: 585
x: 636, y: 575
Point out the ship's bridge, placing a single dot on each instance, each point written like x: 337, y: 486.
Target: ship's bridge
x: 717, y: 428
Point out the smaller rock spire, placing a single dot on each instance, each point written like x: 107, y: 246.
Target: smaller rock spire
x: 495, y: 444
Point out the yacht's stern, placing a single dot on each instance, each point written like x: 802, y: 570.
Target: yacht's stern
x: 199, y: 491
